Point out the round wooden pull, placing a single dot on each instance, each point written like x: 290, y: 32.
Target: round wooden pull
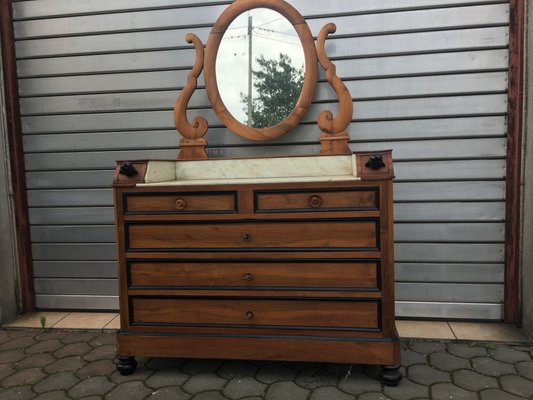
x: 247, y: 237
x: 315, y: 201
x: 247, y: 277
x: 249, y: 314
x: 181, y: 204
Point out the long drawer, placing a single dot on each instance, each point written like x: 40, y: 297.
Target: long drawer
x: 317, y: 234
x: 290, y: 274
x: 332, y: 314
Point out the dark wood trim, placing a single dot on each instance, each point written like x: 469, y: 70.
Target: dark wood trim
x: 14, y: 133
x: 514, y: 166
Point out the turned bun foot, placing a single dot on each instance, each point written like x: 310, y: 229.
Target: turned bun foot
x: 126, y: 365
x: 390, y: 375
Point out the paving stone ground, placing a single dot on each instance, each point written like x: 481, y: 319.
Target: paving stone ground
x: 63, y: 365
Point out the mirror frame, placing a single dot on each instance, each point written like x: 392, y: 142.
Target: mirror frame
x: 310, y: 69
x: 333, y: 139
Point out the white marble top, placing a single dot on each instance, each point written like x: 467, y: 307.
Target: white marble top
x: 252, y: 170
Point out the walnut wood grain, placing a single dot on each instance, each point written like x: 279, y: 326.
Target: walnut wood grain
x: 324, y: 274
x: 384, y: 352
x: 180, y: 203
x: 316, y: 200
x: 308, y: 313
x: 192, y: 145
x: 248, y: 235
x: 326, y: 122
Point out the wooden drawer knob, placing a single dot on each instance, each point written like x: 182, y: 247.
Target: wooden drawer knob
x: 249, y: 314
x: 315, y: 201
x: 246, y: 237
x: 248, y: 277
x: 181, y: 204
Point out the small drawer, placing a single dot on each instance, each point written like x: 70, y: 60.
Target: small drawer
x: 340, y: 200
x: 282, y: 235
x: 331, y: 314
x: 181, y: 203
x: 322, y: 274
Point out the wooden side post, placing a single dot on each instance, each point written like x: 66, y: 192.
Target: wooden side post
x: 14, y: 134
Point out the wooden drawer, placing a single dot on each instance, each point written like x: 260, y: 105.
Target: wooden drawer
x: 266, y: 312
x: 288, y: 274
x: 181, y: 203
x: 317, y: 234
x: 313, y: 200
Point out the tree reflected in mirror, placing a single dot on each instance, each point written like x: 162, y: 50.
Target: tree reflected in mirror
x: 278, y: 84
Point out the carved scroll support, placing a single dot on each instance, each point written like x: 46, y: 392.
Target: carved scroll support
x: 334, y: 139
x: 192, y: 145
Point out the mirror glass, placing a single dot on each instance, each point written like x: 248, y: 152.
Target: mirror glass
x: 260, y: 68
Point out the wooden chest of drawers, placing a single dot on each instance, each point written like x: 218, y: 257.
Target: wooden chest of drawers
x: 295, y: 271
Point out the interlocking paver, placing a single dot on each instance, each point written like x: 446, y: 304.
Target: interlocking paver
x: 286, y: 391
x: 410, y: 357
x: 313, y: 378
x: 211, y: 395
x: 129, y: 390
x: 497, y: 394
x: 471, y: 380
x: 49, y: 335
x: 427, y: 347
x: 96, y: 368
x: 432, y: 370
x: 57, y: 395
x: 406, y: 390
x: 45, y: 346
x: 36, y: 361
x: 359, y: 383
x: 329, y: 393
x: 204, y: 381
x: 167, y: 377
x: 426, y: 375
x: 6, y: 370
x: 98, y: 386
x: 18, y: 393
x: 28, y: 376
x: 103, y: 339
x: 517, y: 385
x: 373, y: 396
x: 466, y: 350
x: 74, y: 337
x: 243, y: 387
x: 447, y: 391
x: 509, y: 355
x: 169, y: 393
x: 488, y: 366
x: 447, y: 362
x: 60, y: 381
x: 525, y: 369
x: 72, y: 363
x: 11, y: 356
x: 73, y: 349
x: 101, y: 353
x: 17, y: 343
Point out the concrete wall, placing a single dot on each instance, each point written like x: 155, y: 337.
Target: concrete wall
x: 8, y: 275
x: 527, y: 243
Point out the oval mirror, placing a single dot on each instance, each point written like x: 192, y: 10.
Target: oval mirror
x: 260, y: 69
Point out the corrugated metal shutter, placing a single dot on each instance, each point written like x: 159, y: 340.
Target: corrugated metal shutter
x: 429, y: 78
